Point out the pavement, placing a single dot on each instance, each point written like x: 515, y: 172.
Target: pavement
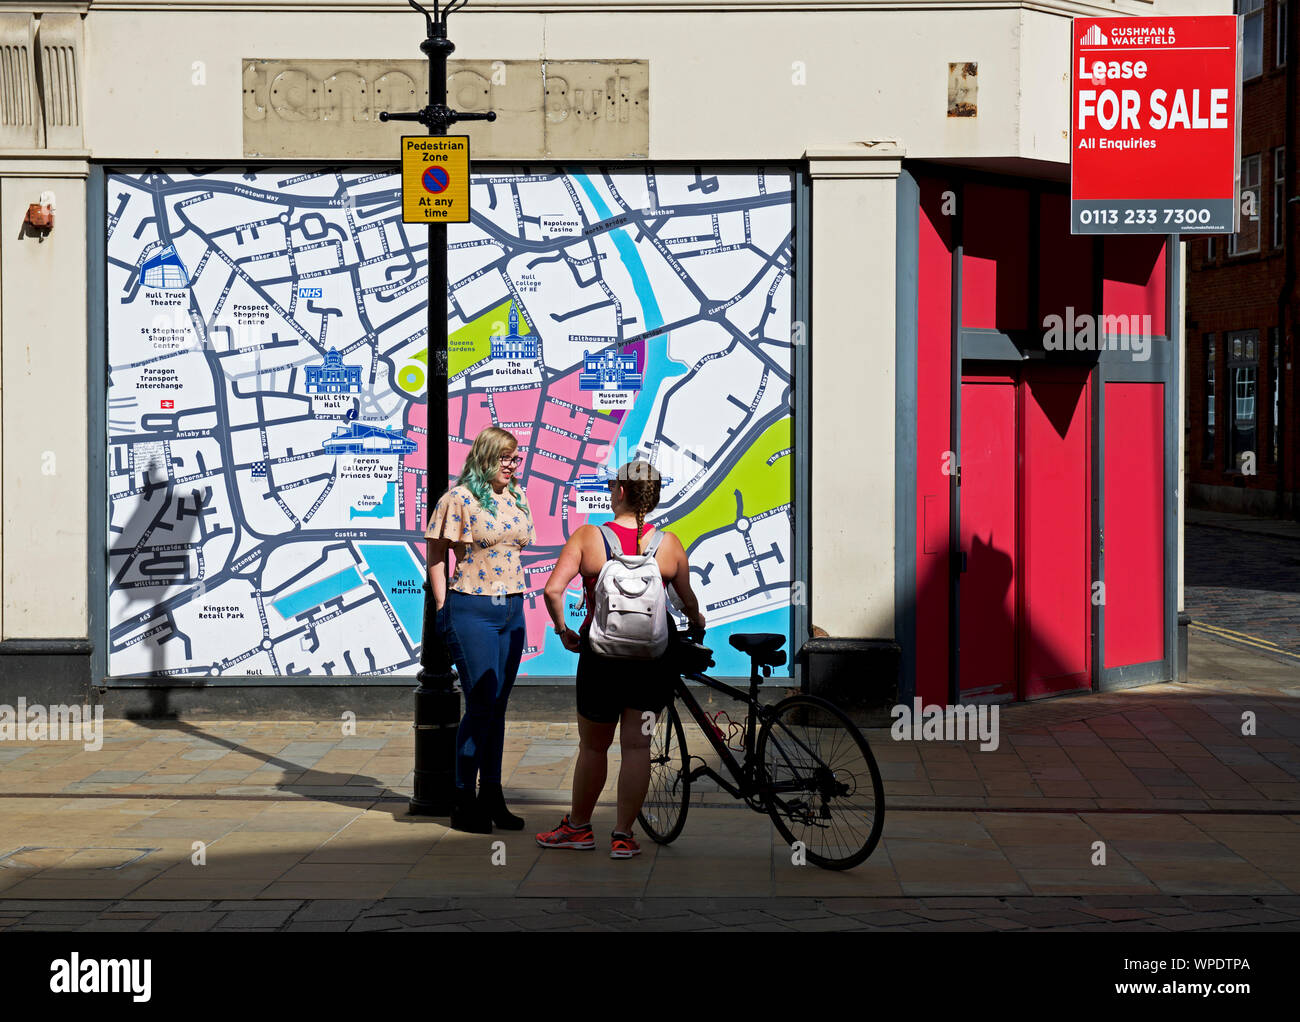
x: 1172, y: 807
x: 191, y: 825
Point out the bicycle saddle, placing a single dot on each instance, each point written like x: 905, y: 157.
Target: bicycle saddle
x: 760, y: 645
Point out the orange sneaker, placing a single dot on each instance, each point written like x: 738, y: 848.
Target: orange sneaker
x: 623, y: 846
x: 568, y: 836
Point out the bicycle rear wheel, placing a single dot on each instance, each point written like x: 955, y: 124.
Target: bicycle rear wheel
x: 663, y: 814
x: 820, y: 782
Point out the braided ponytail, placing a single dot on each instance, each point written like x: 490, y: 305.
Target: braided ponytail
x: 640, y: 482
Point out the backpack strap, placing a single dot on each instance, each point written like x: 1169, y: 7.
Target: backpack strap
x: 612, y: 542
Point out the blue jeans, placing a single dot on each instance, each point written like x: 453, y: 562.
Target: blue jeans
x: 486, y: 641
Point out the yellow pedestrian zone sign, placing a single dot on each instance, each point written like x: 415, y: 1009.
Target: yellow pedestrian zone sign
x: 435, y: 179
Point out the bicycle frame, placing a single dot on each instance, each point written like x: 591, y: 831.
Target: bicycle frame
x: 746, y: 786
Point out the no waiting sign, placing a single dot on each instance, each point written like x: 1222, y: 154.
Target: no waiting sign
x: 435, y: 179
x: 1155, y: 112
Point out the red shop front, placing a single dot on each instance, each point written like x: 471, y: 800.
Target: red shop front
x: 1038, y: 416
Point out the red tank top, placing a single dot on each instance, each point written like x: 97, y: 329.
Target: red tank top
x: 627, y: 537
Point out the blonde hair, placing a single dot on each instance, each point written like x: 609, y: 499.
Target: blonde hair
x: 484, y: 462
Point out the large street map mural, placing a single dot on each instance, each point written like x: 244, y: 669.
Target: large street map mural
x: 267, y: 415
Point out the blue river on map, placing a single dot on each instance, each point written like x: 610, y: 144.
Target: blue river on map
x: 317, y: 593
x: 392, y: 564
x: 659, y: 367
x: 555, y: 660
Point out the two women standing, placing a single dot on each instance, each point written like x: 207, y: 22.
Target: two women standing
x: 486, y: 519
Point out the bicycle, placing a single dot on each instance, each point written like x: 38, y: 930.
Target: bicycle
x: 786, y: 773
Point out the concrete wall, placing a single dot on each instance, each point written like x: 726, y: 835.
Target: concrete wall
x: 43, y: 411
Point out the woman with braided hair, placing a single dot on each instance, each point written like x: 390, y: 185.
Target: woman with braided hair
x: 615, y: 692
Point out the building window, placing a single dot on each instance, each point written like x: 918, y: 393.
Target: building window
x: 1275, y: 385
x: 1252, y: 38
x: 1247, y: 239
x: 1280, y: 52
x: 1243, y: 371
x: 1208, y: 456
x: 1279, y: 197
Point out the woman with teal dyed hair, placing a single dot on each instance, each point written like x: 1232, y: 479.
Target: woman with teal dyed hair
x: 486, y: 520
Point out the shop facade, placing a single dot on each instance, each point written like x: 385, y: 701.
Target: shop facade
x: 825, y: 317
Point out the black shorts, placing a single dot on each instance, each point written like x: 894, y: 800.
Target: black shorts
x: 609, y: 685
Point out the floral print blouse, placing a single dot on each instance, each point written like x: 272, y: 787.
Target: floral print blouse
x: 487, y: 545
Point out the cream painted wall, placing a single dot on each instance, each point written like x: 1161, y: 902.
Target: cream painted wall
x: 852, y: 353
x: 729, y: 93
x: 44, y: 426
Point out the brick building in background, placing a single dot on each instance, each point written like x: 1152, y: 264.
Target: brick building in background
x: 1241, y: 420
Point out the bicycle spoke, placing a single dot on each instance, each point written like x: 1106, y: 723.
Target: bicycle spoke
x: 827, y: 794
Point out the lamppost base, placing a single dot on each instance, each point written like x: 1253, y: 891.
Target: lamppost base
x: 437, y: 719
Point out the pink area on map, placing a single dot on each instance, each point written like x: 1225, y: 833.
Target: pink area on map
x: 457, y: 452
x: 537, y: 622
x: 555, y: 469
x: 563, y: 447
x: 414, y: 464
x: 516, y: 405
x: 524, y: 437
x: 566, y: 388
x: 478, y: 417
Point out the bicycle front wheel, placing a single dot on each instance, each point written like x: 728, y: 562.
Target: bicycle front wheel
x: 820, y: 782
x: 663, y: 814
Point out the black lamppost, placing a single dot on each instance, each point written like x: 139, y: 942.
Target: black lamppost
x: 437, y: 702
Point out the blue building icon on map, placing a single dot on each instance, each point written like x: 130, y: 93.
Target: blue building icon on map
x: 360, y: 438
x: 512, y: 345
x: 165, y: 270
x: 593, y: 483
x: 598, y: 482
x: 609, y: 370
x: 333, y: 377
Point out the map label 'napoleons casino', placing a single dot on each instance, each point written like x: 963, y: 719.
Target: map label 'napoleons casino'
x: 435, y: 179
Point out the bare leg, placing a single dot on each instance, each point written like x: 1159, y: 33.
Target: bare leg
x: 592, y: 768
x: 634, y: 774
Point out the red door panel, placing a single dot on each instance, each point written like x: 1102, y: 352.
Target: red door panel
x: 933, y: 441
x: 1134, y: 531
x: 987, y: 662
x: 1055, y: 586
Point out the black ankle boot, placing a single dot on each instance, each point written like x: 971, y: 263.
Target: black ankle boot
x: 493, y: 802
x: 468, y: 815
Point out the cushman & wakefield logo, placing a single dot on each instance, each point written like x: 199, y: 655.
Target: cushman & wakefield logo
x: 102, y: 976
x: 1129, y: 35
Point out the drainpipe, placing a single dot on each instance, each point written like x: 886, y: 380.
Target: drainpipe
x: 1284, y: 299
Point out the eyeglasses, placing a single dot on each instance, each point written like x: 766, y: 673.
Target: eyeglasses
x: 513, y: 461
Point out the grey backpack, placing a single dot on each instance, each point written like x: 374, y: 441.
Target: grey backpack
x: 630, y: 616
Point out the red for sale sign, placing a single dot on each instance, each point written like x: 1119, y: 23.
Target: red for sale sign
x: 1154, y: 125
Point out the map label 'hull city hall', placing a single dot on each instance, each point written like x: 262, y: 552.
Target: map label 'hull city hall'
x: 818, y: 311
